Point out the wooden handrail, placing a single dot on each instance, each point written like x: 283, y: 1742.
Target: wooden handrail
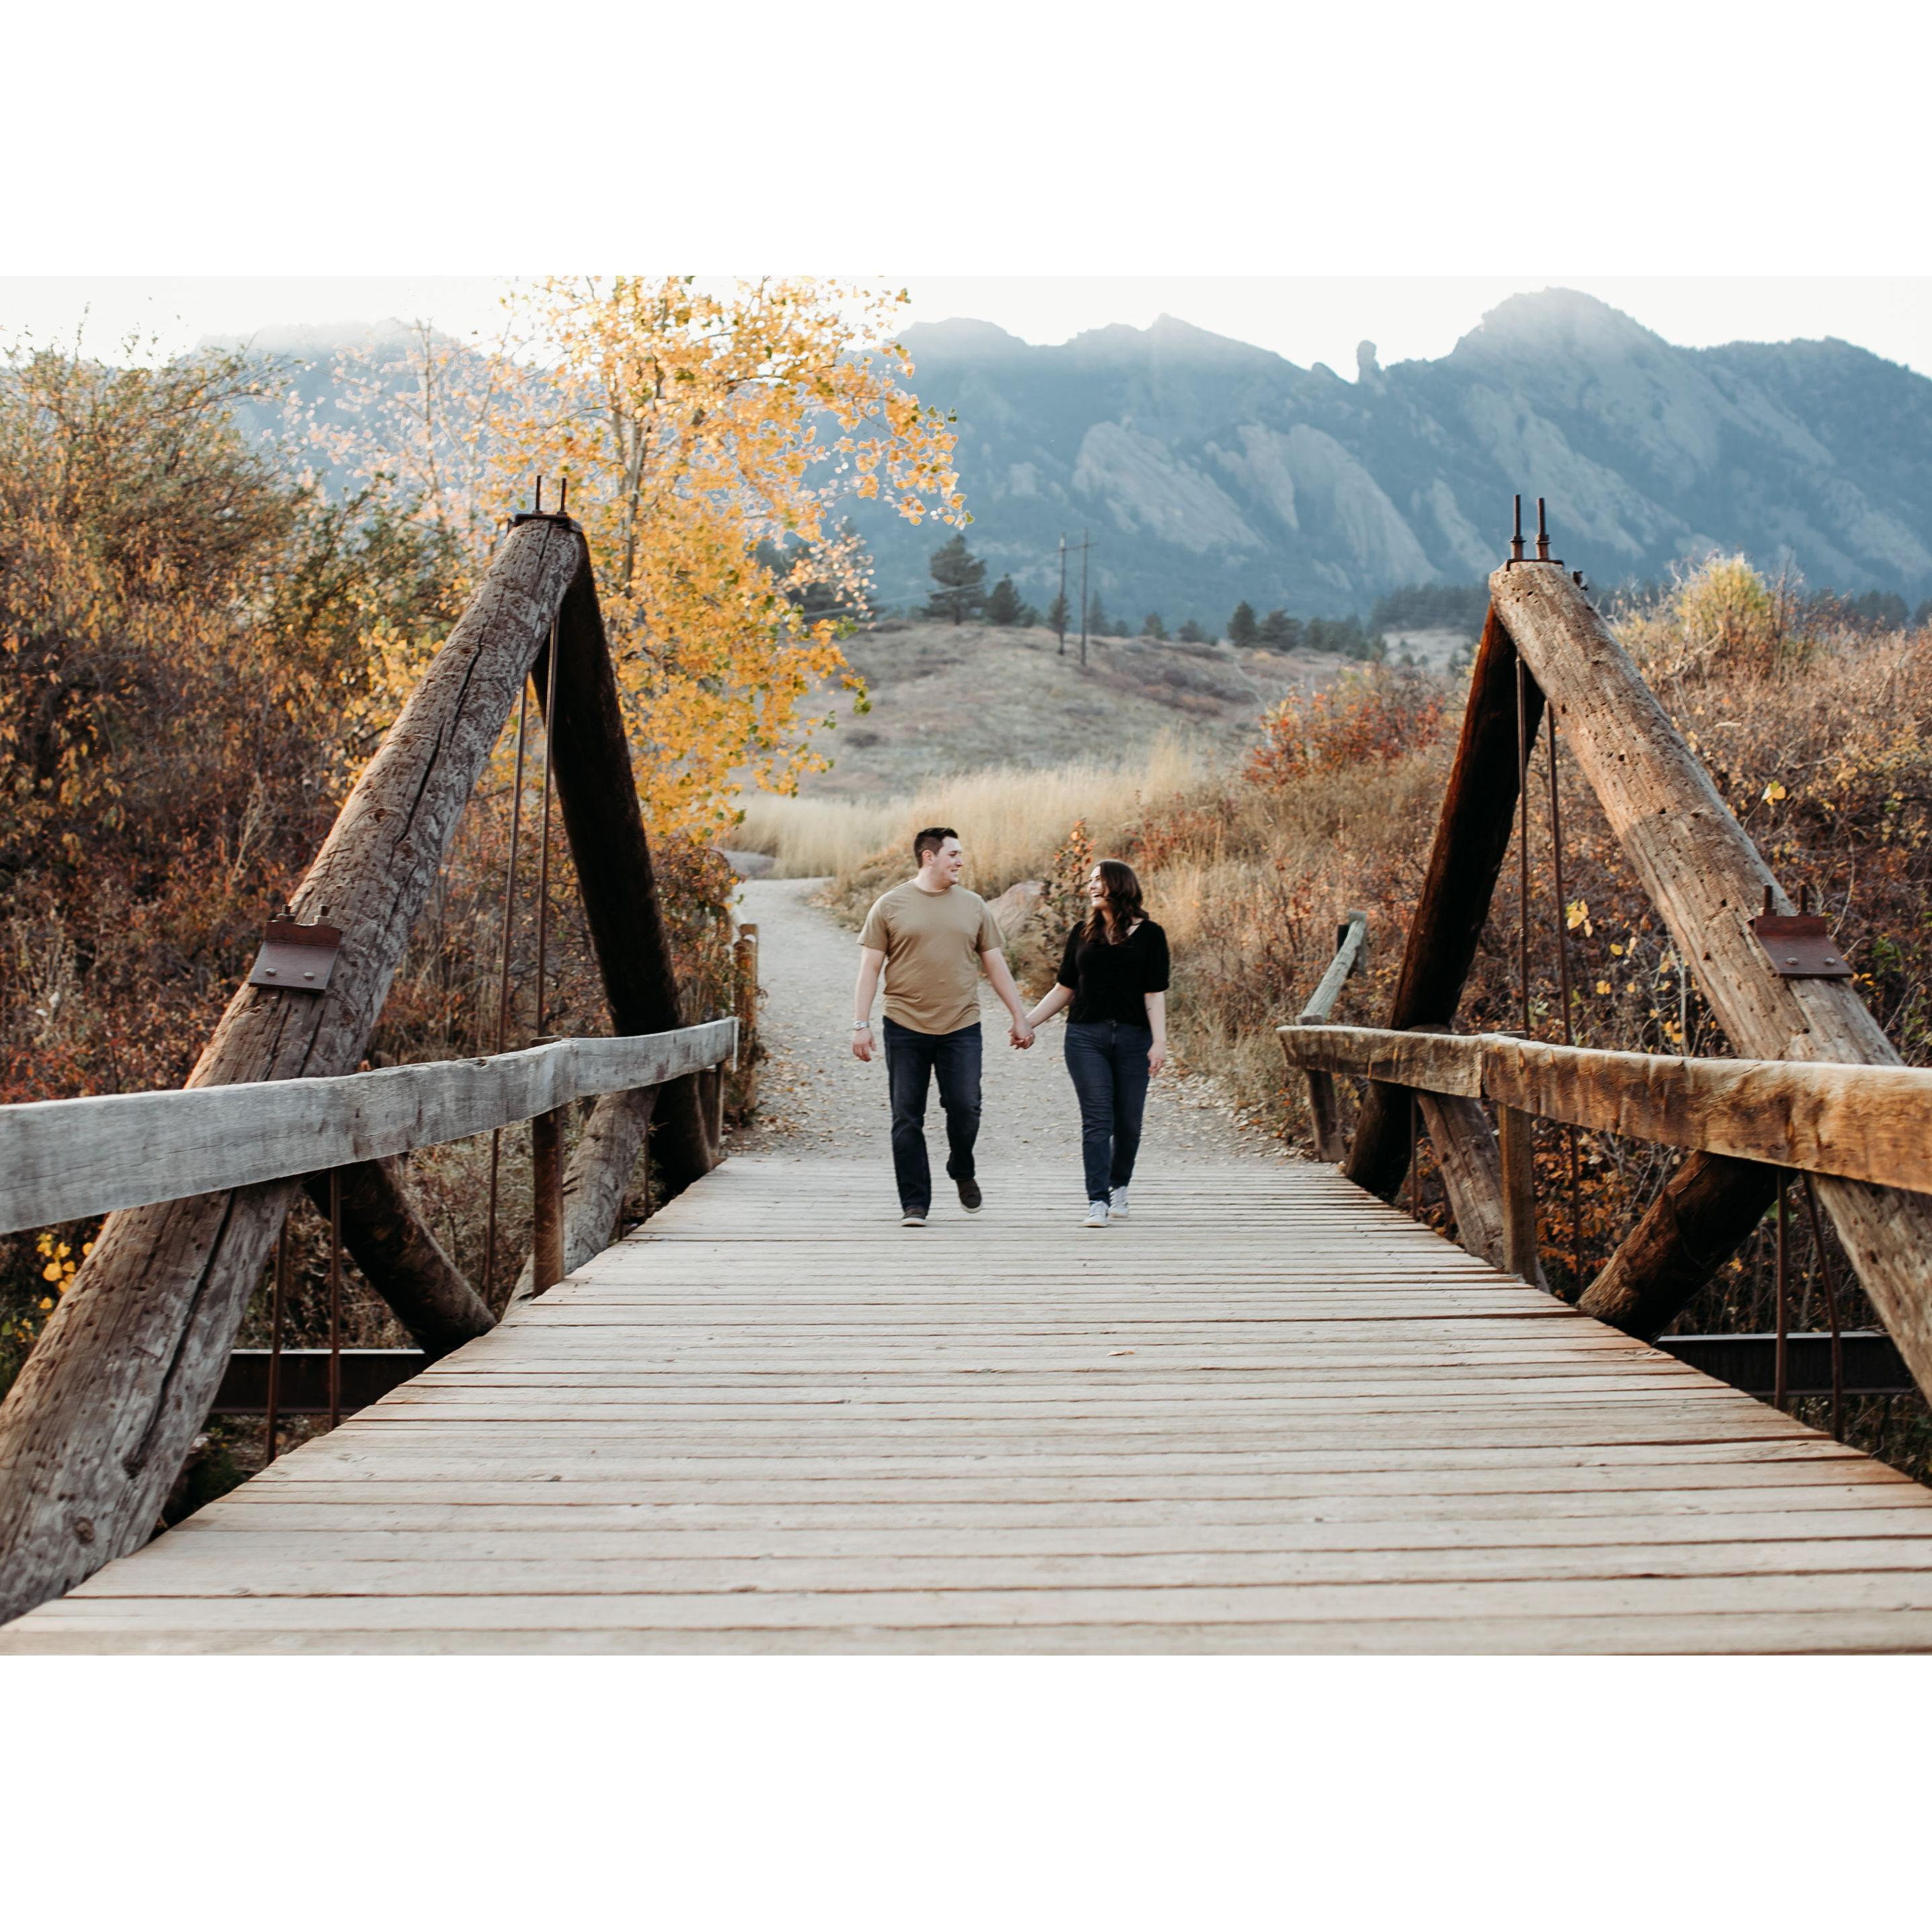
x: 1351, y: 941
x: 1857, y: 1121
x: 61, y: 1160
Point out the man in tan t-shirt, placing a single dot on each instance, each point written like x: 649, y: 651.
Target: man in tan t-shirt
x: 930, y: 937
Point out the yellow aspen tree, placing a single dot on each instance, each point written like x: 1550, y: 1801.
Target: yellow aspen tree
x: 696, y: 430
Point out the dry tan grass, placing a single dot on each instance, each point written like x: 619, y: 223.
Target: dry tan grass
x: 1011, y: 821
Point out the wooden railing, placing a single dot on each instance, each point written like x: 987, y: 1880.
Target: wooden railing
x: 1867, y: 1124
x: 1819, y: 1091
x: 66, y: 1160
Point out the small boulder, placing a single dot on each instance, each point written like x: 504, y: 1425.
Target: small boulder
x: 1017, y: 907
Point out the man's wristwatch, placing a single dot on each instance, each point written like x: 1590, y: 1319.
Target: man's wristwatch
x: 862, y: 1026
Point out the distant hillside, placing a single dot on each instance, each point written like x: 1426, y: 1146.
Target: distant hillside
x: 948, y: 698
x: 1209, y: 471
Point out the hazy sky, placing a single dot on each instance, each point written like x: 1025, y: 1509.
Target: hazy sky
x: 1307, y: 319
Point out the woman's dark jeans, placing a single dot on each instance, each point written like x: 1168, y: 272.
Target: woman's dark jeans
x: 912, y: 1059
x: 1108, y: 1063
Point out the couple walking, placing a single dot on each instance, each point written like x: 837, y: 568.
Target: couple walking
x: 929, y: 937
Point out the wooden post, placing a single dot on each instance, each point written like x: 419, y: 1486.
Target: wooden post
x: 1472, y: 836
x: 595, y: 1182
x: 745, y: 953
x: 101, y: 1417
x: 547, y: 1215
x: 605, y: 826
x: 1706, y: 878
x: 402, y: 1260
x: 1520, y: 1254
x: 1465, y: 1151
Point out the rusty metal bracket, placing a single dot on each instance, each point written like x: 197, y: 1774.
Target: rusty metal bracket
x: 1542, y: 556
x: 300, y: 957
x: 558, y: 516
x: 1800, y: 946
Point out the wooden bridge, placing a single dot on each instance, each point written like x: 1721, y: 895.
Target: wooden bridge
x: 1274, y: 1413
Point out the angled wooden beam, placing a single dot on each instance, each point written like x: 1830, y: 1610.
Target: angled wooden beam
x: 604, y: 823
x: 402, y: 1260
x: 1705, y: 877
x: 1706, y: 1212
x: 94, y: 1430
x: 1472, y: 836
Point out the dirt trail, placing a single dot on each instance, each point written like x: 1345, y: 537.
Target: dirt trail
x: 816, y: 1099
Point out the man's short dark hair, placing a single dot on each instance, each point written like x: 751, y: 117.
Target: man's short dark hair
x: 930, y: 840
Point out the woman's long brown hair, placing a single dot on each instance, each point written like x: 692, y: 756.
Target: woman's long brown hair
x: 1113, y: 919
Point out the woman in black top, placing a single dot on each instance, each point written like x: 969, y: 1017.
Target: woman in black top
x: 1113, y: 974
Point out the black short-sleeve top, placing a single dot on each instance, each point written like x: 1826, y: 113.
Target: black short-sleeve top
x: 1110, y: 982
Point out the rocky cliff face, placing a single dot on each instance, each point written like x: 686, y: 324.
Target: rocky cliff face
x: 1208, y: 470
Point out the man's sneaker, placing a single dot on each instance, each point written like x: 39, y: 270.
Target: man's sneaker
x: 910, y: 1219
x: 1096, y: 1214
x: 970, y: 1196
x: 1117, y: 1204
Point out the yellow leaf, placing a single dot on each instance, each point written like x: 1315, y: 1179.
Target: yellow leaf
x: 1602, y: 985
x: 1576, y: 913
x: 1773, y: 792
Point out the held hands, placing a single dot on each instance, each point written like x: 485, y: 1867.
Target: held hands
x: 1021, y: 1032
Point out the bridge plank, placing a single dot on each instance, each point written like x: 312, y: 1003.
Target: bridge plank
x: 858, y: 1438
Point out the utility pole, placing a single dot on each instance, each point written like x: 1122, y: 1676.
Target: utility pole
x: 1063, y: 593
x: 1085, y: 546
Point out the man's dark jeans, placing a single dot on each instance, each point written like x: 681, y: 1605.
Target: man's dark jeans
x: 911, y: 1059
x: 1109, y: 1063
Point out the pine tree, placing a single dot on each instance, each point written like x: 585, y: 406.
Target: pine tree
x: 1151, y: 626
x: 1242, y: 629
x: 1191, y: 633
x: 1279, y: 631
x: 1003, y: 605
x: 1099, y: 624
x: 961, y: 578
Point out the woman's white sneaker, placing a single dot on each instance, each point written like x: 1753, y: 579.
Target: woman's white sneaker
x: 1117, y: 1204
x: 1096, y: 1214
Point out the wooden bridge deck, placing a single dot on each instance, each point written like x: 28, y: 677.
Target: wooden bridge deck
x: 1269, y: 1413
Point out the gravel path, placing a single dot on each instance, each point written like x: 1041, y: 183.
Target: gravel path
x: 815, y: 1099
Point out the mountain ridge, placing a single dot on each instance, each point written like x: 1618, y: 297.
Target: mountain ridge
x: 1211, y: 470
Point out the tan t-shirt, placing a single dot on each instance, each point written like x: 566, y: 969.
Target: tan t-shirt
x: 932, y: 942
